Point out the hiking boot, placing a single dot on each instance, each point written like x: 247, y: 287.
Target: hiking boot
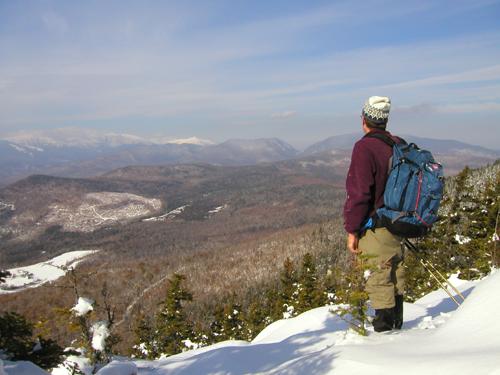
x: 384, y: 320
x: 398, y: 312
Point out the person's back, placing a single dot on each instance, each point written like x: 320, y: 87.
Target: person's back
x: 365, y: 185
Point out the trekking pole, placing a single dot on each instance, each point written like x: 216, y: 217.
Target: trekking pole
x: 432, y: 270
x: 430, y: 265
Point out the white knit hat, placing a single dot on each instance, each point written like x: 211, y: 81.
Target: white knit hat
x: 377, y: 109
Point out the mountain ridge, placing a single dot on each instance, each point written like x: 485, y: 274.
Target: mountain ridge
x: 91, y: 159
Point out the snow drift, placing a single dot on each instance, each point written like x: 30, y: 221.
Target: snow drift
x: 437, y: 338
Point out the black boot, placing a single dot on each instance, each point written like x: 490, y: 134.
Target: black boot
x: 398, y: 312
x: 384, y: 320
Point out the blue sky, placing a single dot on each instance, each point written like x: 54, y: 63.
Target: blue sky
x: 297, y: 70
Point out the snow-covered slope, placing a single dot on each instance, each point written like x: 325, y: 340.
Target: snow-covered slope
x: 435, y: 340
x: 41, y: 273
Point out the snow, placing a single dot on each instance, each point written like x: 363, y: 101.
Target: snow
x: 7, y: 206
x: 217, y: 209
x: 20, y: 149
x: 100, y: 332
x: 83, y: 306
x: 21, y: 368
x: 119, y: 368
x: 101, y: 209
x: 437, y: 338
x: 169, y: 215
x: 190, y: 140
x: 462, y: 239
x: 78, y: 362
x: 41, y: 273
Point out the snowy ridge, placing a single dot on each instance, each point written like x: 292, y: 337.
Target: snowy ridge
x: 189, y: 141
x: 24, y: 141
x: 41, y: 273
x: 435, y: 339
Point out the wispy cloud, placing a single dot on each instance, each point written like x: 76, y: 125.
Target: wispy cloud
x: 487, y: 74
x: 180, y: 61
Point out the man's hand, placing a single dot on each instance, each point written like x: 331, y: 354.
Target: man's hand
x: 352, y: 243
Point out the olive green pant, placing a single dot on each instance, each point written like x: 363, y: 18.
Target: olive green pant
x: 385, y: 258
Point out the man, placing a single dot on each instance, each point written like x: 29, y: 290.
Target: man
x: 365, y: 187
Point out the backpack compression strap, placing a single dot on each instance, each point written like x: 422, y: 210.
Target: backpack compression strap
x: 386, y: 139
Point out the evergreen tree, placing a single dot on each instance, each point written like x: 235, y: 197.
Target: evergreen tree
x: 232, y: 323
x: 288, y: 296
x: 17, y: 343
x: 309, y: 295
x: 3, y: 275
x: 256, y: 320
x: 146, y: 346
x: 172, y: 326
x: 217, y: 332
x: 464, y: 240
x: 352, y: 296
x: 274, y: 304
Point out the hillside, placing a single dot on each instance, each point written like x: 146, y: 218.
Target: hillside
x: 437, y: 338
x: 227, y: 229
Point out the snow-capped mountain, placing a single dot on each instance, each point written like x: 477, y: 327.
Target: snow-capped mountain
x: 82, y: 153
x: 88, y: 138
x: 189, y: 141
x: 73, y: 137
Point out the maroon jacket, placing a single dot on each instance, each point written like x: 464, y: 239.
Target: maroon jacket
x: 366, y: 180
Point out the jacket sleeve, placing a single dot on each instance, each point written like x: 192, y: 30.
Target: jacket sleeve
x: 359, y: 187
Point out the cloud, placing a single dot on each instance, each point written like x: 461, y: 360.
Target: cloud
x: 284, y: 115
x: 470, y: 107
x: 489, y: 73
x: 230, y: 71
x: 415, y: 109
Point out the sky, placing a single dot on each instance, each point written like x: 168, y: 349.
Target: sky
x: 221, y: 69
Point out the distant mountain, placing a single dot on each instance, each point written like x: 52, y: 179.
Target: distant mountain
x: 336, y: 142
x: 73, y: 152
x: 454, y: 155
x: 80, y: 153
x: 90, y: 138
x: 248, y: 151
x: 71, y: 137
x: 346, y: 142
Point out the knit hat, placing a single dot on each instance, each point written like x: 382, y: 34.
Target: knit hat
x: 376, y: 109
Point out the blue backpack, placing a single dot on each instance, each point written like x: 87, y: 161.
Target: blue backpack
x: 413, y: 190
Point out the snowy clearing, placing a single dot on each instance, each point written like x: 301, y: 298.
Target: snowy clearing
x: 217, y: 209
x: 169, y: 215
x: 100, y: 209
x: 41, y: 273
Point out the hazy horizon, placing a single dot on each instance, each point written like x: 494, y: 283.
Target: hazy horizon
x: 220, y: 70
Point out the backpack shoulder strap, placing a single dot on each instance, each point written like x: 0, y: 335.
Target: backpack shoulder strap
x: 386, y: 139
